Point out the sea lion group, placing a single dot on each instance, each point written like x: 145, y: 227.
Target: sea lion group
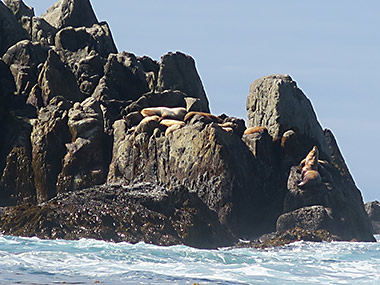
x: 309, y: 170
x: 172, y: 119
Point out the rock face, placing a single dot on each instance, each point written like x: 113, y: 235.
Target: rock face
x: 75, y: 13
x: 373, y: 211
x: 10, y: 29
x: 273, y: 102
x: 143, y: 212
x: 109, y: 145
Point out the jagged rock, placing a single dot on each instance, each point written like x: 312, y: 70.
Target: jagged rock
x: 16, y: 175
x: 11, y: 31
x: 7, y: 89
x: 124, y: 78
x: 215, y: 164
x: 276, y: 103
x: 178, y: 72
x: 336, y: 192
x: 25, y: 59
x: 56, y: 79
x: 75, y: 13
x: 19, y: 8
x: 49, y: 136
x: 76, y: 44
x: 373, y: 211
x: 86, y: 161
x: 142, y: 212
x: 39, y: 30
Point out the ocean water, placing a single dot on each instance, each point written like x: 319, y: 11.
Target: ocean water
x: 35, y: 261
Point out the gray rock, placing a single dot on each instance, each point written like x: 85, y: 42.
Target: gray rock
x: 49, y: 136
x: 178, y: 72
x: 124, y: 78
x: 7, y: 88
x: 24, y: 59
x: 75, y: 13
x: 39, y: 30
x: 276, y: 103
x: 373, y: 211
x: 10, y: 29
x: 19, y: 8
x: 86, y: 161
x: 56, y: 79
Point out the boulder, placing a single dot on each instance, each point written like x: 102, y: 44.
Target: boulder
x: 7, y: 89
x: 178, y: 72
x: 76, y: 44
x: 24, y: 60
x: 88, y: 155
x: 276, y: 103
x: 49, y: 136
x: 10, y: 29
x: 39, y: 30
x: 124, y: 78
x: 56, y: 79
x: 75, y: 13
x: 373, y: 211
x: 142, y: 212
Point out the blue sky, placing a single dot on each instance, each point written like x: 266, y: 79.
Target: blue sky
x: 330, y: 48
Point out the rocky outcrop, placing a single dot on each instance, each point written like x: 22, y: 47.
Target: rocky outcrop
x: 75, y: 13
x: 86, y: 161
x: 10, y: 29
x: 276, y: 103
x: 178, y: 72
x: 49, y: 136
x: 144, y: 212
x: 156, y: 165
x: 19, y: 8
x: 373, y: 211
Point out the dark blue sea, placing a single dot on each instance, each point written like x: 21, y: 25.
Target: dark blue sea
x: 35, y: 261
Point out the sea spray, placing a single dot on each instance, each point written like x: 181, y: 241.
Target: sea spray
x: 32, y: 260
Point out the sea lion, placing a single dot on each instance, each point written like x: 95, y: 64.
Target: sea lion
x: 311, y: 160
x: 287, y: 136
x: 148, y: 124
x: 310, y: 178
x: 228, y: 125
x: 177, y: 113
x: 133, y: 119
x: 228, y: 129
x: 209, y: 118
x: 169, y: 122
x: 254, y: 130
x: 172, y: 128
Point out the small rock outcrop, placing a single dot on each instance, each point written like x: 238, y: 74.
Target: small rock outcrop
x: 10, y: 29
x: 74, y: 13
x: 373, y: 211
x: 276, y: 103
x: 19, y: 8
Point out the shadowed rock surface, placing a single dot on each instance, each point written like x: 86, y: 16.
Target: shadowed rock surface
x: 373, y: 211
x: 82, y: 156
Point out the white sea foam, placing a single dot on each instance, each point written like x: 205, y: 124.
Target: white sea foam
x: 31, y: 261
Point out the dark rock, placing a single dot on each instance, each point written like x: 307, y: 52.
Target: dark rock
x: 39, y: 30
x: 19, y: 8
x: 215, y: 164
x: 56, y: 79
x: 16, y: 174
x: 76, y: 44
x: 49, y: 136
x: 75, y: 13
x: 276, y: 103
x: 124, y: 78
x: 11, y: 31
x: 373, y: 211
x: 178, y: 72
x: 166, y: 98
x: 142, y: 212
x: 7, y: 89
x: 86, y: 161
x: 24, y: 60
